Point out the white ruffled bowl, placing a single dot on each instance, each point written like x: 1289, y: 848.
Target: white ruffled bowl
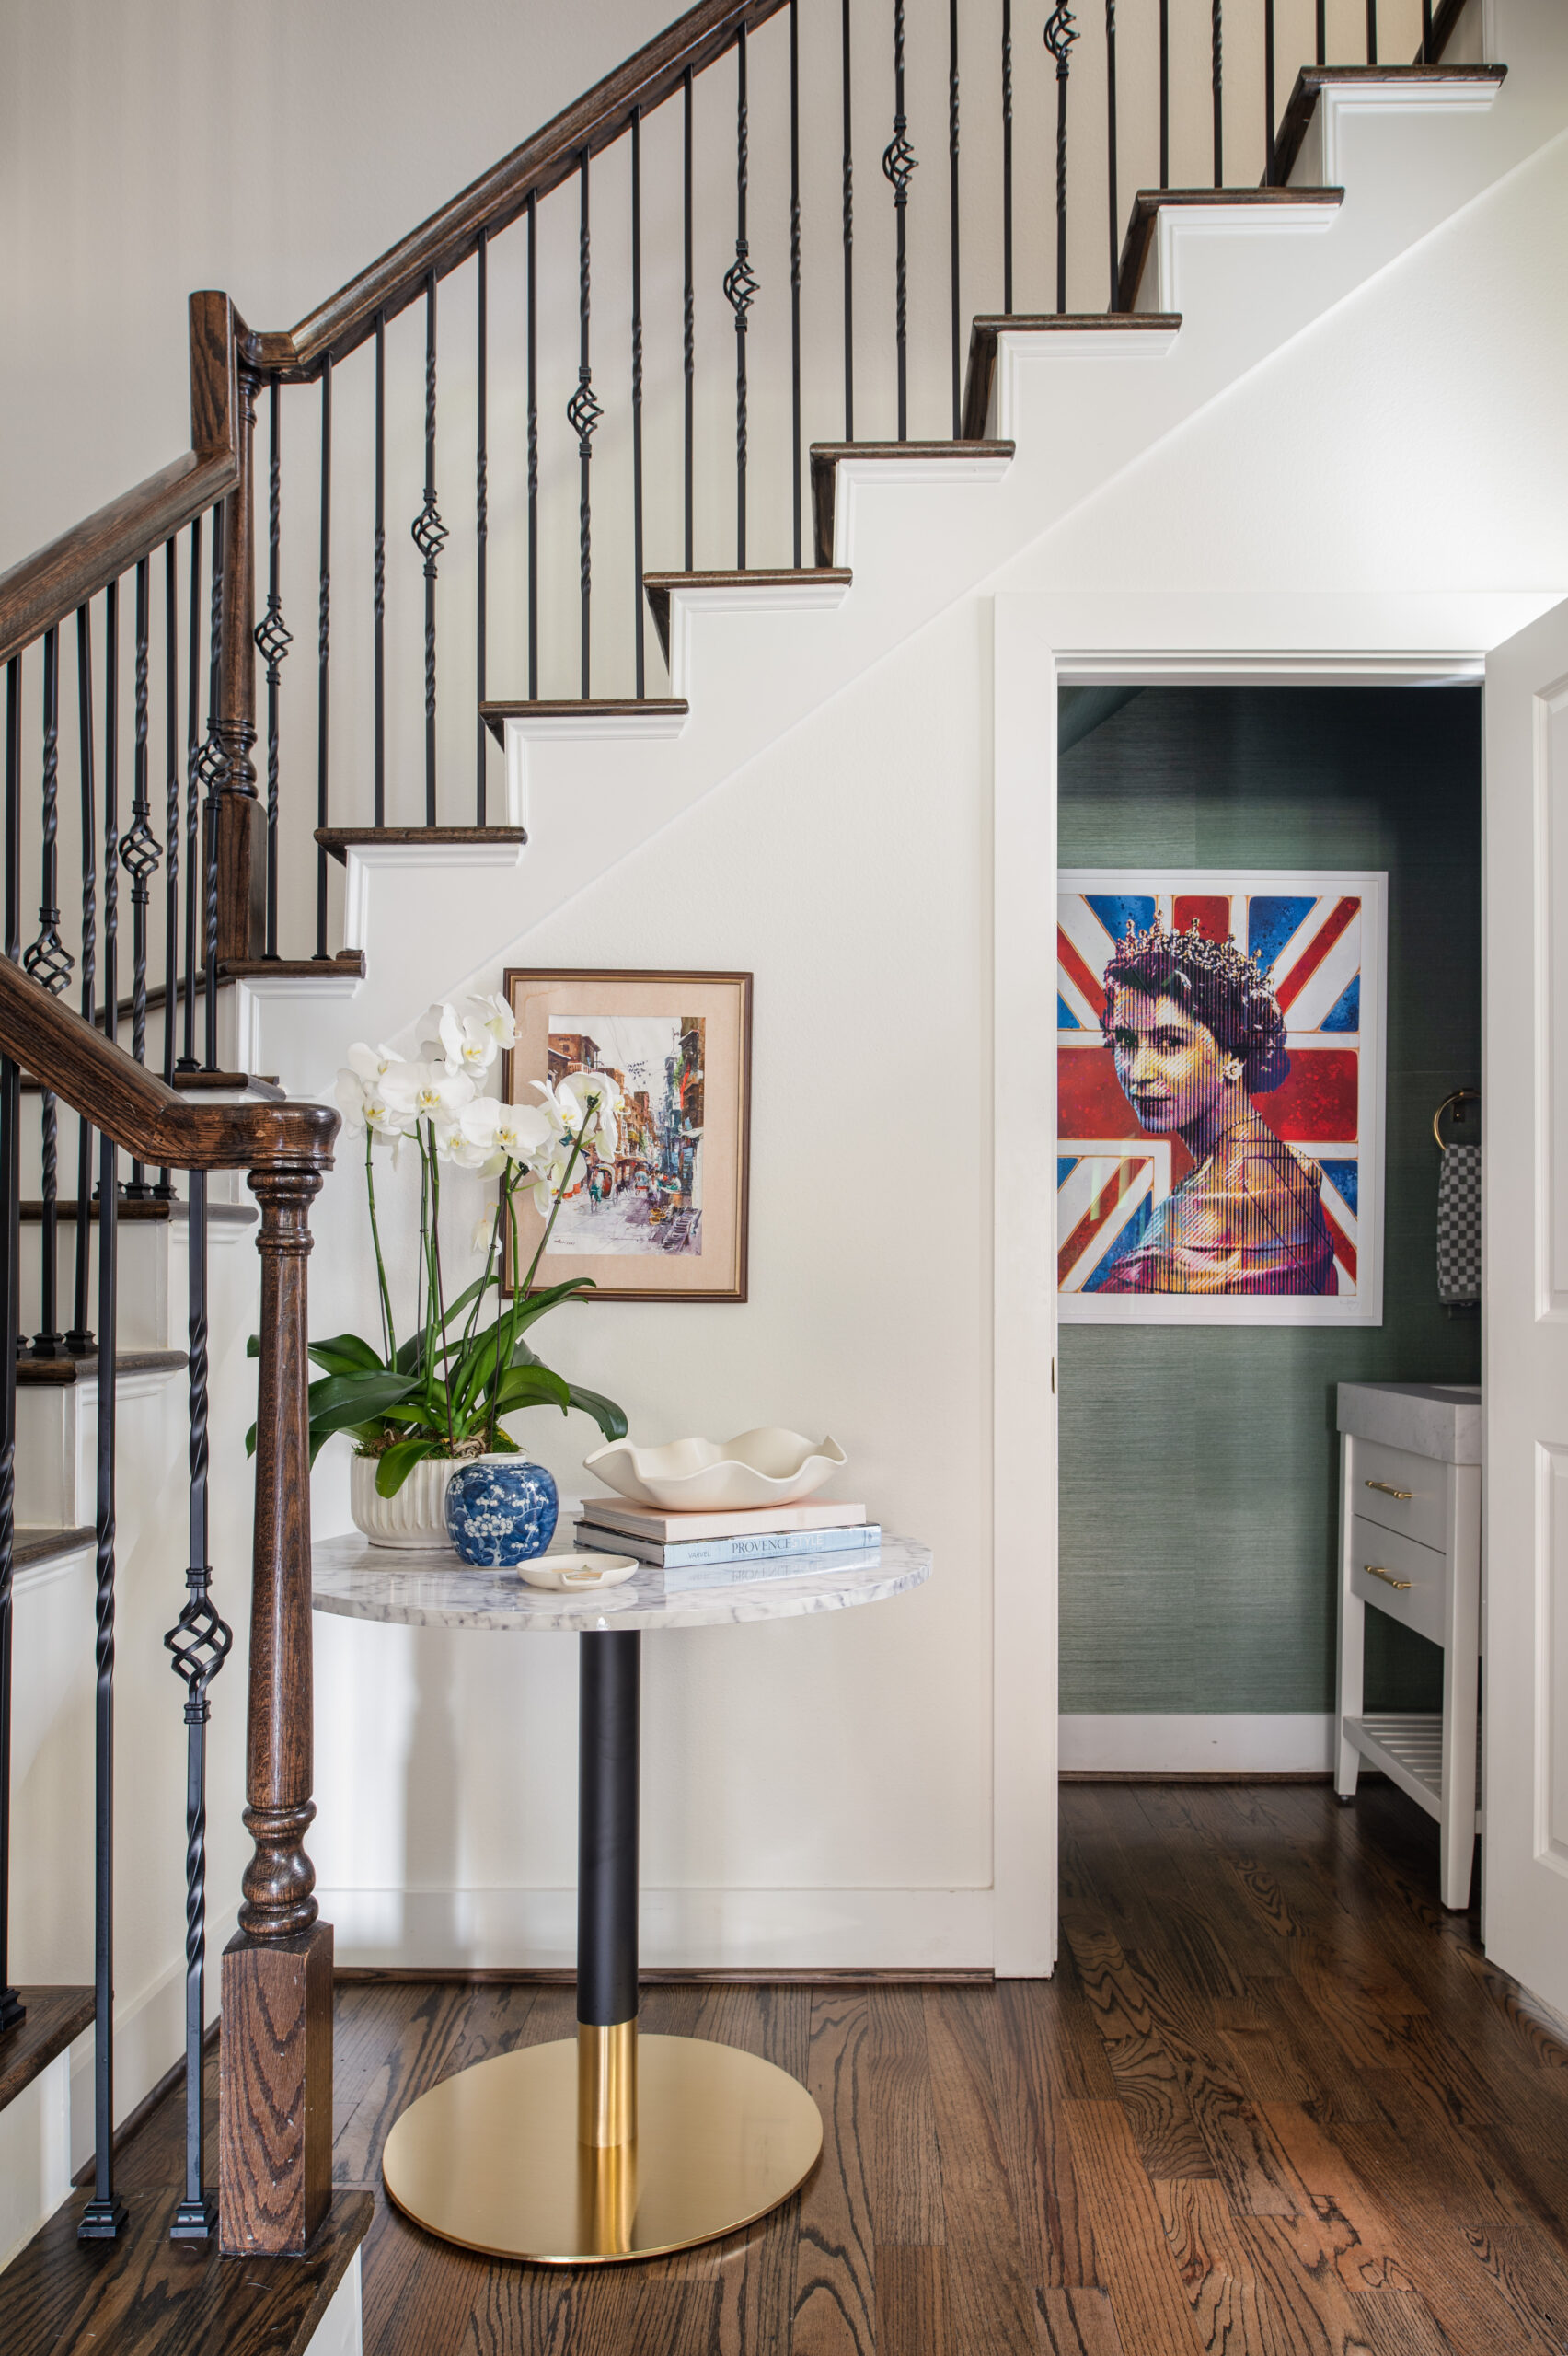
x: 765, y: 1467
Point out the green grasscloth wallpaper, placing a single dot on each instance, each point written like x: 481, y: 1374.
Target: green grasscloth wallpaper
x: 1199, y: 1466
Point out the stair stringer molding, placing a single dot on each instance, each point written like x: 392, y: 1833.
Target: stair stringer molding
x: 1085, y: 413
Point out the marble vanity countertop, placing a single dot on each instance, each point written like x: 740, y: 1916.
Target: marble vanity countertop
x: 435, y: 1591
x: 1436, y: 1419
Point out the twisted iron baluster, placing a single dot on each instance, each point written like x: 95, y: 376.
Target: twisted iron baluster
x: 273, y: 640
x: 953, y: 207
x: 213, y: 766
x: 849, y: 208
x: 200, y: 1643
x: 532, y: 443
x: 1218, y: 75
x: 898, y: 166
x: 1006, y: 157
x: 192, y: 802
x: 583, y: 414
x: 12, y: 2009
x: 139, y: 855
x: 637, y: 625
x: 430, y: 535
x: 50, y: 965
x: 79, y: 1336
x: 378, y: 585
x: 324, y: 654
x: 481, y: 518
x: 1111, y: 150
x: 688, y: 322
x: 740, y: 290
x: 1060, y: 35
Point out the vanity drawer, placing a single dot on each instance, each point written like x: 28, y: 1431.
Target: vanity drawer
x: 1406, y: 1493
x: 1413, y: 1578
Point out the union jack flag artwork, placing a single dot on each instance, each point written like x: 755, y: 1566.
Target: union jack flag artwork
x: 1219, y: 1105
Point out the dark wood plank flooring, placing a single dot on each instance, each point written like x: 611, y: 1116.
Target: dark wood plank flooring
x: 1275, y: 2100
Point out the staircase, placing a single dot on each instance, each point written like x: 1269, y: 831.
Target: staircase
x: 485, y: 728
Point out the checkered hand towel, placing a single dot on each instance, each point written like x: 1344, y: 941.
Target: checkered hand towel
x: 1459, y: 1226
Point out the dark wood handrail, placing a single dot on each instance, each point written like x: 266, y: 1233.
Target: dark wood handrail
x: 146, y: 1118
x: 48, y: 586
x: 339, y: 325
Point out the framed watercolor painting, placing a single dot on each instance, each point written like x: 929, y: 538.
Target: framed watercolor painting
x: 659, y: 1211
x: 1219, y: 1097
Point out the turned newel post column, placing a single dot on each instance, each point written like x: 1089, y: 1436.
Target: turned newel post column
x: 275, y: 2123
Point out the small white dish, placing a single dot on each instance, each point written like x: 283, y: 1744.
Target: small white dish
x: 765, y: 1467
x: 577, y: 1573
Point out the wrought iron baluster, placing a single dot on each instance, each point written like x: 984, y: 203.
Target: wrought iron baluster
x: 637, y: 397
x: 1217, y: 73
x: 214, y: 767
x: 481, y: 517
x: 533, y: 444
x: 688, y: 326
x: 1111, y: 149
x: 50, y: 965
x: 583, y: 414
x: 139, y: 855
x: 12, y: 2009
x: 79, y: 1333
x: 200, y: 1641
x: 165, y: 1187
x: 848, y: 219
x: 378, y: 585
x: 952, y: 208
x: 1268, y: 93
x: 1371, y: 32
x: 430, y: 535
x: 795, y: 276
x: 1323, y: 57
x: 192, y: 802
x: 105, y: 2213
x: 324, y: 652
x: 1060, y: 35
x: 1425, y: 57
x: 273, y: 640
x: 1006, y: 157
x: 1165, y: 88
x: 898, y: 166
x: 740, y: 290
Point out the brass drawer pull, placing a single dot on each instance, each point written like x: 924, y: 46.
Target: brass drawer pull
x: 1379, y: 1573
x: 1388, y: 1490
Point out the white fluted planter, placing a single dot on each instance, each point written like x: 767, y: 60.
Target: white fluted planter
x: 416, y: 1516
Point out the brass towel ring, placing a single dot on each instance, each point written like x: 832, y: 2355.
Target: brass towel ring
x: 1459, y: 1096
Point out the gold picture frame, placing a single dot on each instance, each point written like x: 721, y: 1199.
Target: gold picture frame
x: 665, y: 1216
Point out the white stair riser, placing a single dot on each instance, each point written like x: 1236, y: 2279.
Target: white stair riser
x: 57, y: 1447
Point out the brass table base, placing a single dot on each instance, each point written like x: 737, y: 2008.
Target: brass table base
x: 490, y: 2158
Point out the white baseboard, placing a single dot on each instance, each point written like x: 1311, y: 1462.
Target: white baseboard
x: 1291, y: 1743
x: 714, y: 1930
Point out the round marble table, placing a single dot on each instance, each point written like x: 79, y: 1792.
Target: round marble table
x: 609, y: 2147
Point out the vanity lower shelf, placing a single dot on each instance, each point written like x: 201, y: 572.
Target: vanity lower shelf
x: 1407, y: 1746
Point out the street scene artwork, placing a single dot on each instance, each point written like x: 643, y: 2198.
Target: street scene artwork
x: 1219, y: 1097
x: 656, y: 1205
x: 640, y: 1186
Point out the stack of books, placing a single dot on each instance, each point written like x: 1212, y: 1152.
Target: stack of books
x: 726, y: 1548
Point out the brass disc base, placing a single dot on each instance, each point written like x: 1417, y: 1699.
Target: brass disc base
x: 490, y: 2158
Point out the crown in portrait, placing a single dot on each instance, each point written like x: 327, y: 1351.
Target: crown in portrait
x: 1224, y: 961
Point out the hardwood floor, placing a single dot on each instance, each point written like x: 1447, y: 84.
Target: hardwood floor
x: 1275, y: 2100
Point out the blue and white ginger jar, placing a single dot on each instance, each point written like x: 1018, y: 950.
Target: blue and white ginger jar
x: 501, y: 1510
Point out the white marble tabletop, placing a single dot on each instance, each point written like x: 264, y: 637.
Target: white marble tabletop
x: 436, y: 1591
x: 1436, y: 1419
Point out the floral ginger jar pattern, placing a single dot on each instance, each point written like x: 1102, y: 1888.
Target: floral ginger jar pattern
x: 501, y: 1510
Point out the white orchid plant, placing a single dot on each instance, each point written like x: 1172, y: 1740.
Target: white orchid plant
x: 444, y: 1390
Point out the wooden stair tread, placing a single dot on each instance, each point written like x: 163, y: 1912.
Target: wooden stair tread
x: 826, y: 457
x: 1149, y: 203
x: 660, y: 587
x: 141, y: 1214
x: 263, y: 969
x: 585, y: 708
x: 985, y: 331
x: 33, y: 1542
x: 61, y: 1372
x: 54, y: 2016
x: 337, y: 841
x: 144, y: 2296
x: 1298, y: 116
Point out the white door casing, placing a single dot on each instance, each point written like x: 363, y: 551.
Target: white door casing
x: 1525, y: 1340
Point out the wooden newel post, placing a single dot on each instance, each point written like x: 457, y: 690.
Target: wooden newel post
x: 275, y: 2119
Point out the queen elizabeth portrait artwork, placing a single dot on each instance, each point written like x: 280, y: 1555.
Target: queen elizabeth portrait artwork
x: 1220, y: 1117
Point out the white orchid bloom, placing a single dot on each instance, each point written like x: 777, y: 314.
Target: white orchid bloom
x: 493, y: 1012
x: 372, y: 1064
x: 523, y: 1133
x: 349, y: 1096
x: 585, y: 1104
x: 469, y: 1044
x: 428, y: 1093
